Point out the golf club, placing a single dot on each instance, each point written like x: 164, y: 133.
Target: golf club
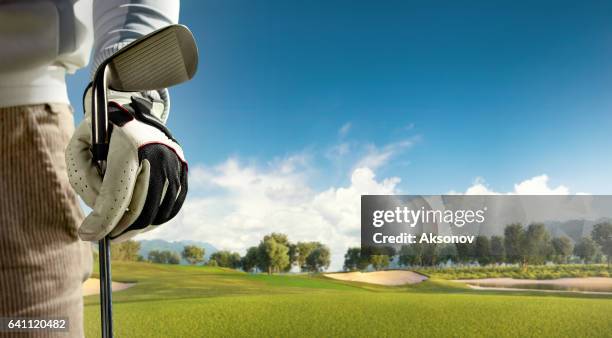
x: 163, y: 58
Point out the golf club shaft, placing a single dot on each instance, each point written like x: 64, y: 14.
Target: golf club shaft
x: 102, y: 268
x: 106, y: 294
x: 100, y: 149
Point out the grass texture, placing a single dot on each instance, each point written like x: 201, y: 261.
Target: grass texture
x: 182, y: 301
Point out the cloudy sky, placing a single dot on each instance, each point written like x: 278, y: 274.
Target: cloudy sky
x: 300, y: 107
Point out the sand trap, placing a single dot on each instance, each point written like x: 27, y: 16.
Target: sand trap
x: 92, y: 286
x: 393, y: 277
x: 585, y: 284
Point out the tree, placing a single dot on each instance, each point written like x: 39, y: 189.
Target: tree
x: 154, y: 256
x: 602, y: 235
x: 368, y: 251
x: 536, y: 244
x: 164, y: 257
x: 412, y: 254
x: 273, y: 256
x: 447, y: 252
x: 171, y: 257
x: 498, y: 251
x: 193, y: 254
x: 249, y: 261
x: 562, y: 249
x: 304, y: 249
x: 430, y: 254
x: 234, y: 260
x: 351, y: 259
x: 278, y: 254
x: 273, y: 253
x: 586, y: 249
x: 465, y: 252
x: 226, y: 259
x: 293, y: 255
x: 379, y: 262
x: 125, y: 251
x: 319, y: 259
x: 357, y: 259
x: 513, y: 242
x: 364, y: 261
x: 389, y: 251
x: 483, y: 250
x: 279, y: 238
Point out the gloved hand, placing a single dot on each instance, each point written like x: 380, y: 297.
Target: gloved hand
x: 146, y: 173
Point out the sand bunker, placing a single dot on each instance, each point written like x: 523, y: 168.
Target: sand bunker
x: 393, y: 277
x: 585, y: 284
x: 92, y: 286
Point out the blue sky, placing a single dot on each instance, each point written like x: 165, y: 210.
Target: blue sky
x: 503, y: 91
x: 497, y: 92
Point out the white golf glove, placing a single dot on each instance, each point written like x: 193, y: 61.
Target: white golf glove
x: 145, y: 182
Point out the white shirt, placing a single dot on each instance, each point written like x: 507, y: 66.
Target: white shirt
x: 43, y: 40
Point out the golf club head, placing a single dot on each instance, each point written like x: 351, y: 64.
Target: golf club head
x: 161, y: 59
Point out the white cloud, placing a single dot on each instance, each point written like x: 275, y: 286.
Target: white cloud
x: 250, y: 202
x: 537, y: 185
x: 479, y: 187
x: 376, y: 157
x: 338, y: 150
x: 344, y: 130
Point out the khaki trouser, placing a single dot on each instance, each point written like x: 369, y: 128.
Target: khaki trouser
x: 42, y: 260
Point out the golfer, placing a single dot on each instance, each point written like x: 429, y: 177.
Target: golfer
x: 45, y: 249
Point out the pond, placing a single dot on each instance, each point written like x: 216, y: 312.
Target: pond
x: 586, y: 284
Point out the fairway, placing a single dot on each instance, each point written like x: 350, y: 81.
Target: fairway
x: 182, y: 301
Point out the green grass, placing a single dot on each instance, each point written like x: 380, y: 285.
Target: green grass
x: 532, y: 272
x: 179, y: 301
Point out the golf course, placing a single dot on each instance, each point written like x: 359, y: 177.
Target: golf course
x: 197, y: 301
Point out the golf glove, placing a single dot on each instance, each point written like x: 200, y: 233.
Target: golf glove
x: 145, y: 182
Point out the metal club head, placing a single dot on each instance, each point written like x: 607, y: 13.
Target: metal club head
x: 161, y: 59
x: 164, y: 58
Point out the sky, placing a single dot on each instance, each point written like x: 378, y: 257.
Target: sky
x: 299, y: 107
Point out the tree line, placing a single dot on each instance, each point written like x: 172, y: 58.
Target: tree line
x: 275, y: 253
x: 531, y: 245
